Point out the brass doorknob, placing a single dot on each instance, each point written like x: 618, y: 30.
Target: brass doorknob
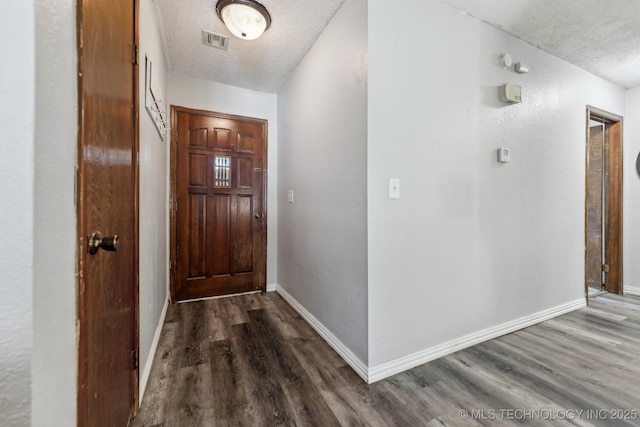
x: 96, y: 241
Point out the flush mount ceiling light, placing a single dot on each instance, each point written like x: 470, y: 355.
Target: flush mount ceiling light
x: 246, y: 19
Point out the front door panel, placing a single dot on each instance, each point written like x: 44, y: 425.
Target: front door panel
x: 220, y: 214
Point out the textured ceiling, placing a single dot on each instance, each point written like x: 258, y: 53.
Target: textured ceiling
x: 600, y: 36
x: 263, y: 64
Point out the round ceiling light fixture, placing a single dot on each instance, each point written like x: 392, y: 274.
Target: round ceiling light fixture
x: 246, y: 19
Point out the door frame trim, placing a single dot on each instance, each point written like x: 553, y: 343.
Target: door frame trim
x: 173, y: 190
x: 136, y: 201
x: 81, y: 351
x: 614, y: 201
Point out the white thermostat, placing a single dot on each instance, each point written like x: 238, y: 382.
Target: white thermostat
x: 512, y: 93
x: 504, y: 155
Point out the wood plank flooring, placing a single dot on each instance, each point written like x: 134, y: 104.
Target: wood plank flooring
x: 251, y: 360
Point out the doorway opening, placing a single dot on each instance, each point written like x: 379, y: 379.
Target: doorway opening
x: 603, y: 203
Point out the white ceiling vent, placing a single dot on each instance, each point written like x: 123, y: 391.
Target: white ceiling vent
x: 215, y: 40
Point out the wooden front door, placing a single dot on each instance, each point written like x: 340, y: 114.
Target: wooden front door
x: 107, y: 213
x: 218, y: 198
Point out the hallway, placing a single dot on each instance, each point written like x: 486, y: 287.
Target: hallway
x: 251, y: 360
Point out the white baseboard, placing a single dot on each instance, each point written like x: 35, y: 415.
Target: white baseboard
x: 628, y: 290
x: 400, y: 364
x: 273, y: 287
x: 144, y: 378
x: 356, y: 364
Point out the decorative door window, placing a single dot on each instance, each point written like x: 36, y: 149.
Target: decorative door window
x: 222, y: 171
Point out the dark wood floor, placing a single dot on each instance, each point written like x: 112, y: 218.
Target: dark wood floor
x: 250, y: 360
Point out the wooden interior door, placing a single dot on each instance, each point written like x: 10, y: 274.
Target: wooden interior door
x: 595, y: 205
x: 219, y: 211
x: 603, y: 216
x: 613, y: 235
x: 107, y: 213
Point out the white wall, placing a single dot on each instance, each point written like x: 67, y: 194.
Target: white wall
x: 322, y: 116
x: 54, y: 293
x: 185, y: 91
x: 471, y: 243
x: 631, y: 186
x: 17, y: 118
x: 154, y: 206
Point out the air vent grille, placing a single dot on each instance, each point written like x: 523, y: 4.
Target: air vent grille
x: 215, y: 40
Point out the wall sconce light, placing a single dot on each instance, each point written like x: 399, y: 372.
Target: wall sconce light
x: 246, y: 19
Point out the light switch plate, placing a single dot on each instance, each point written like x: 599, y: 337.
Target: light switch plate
x: 394, y: 188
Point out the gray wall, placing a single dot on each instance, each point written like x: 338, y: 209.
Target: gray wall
x: 471, y: 243
x: 54, y: 291
x: 154, y: 206
x: 631, y: 128
x: 322, y: 242
x: 17, y: 118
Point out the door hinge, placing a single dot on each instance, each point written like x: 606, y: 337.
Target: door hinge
x: 135, y: 358
x: 136, y: 54
x: 605, y: 268
x: 606, y: 147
